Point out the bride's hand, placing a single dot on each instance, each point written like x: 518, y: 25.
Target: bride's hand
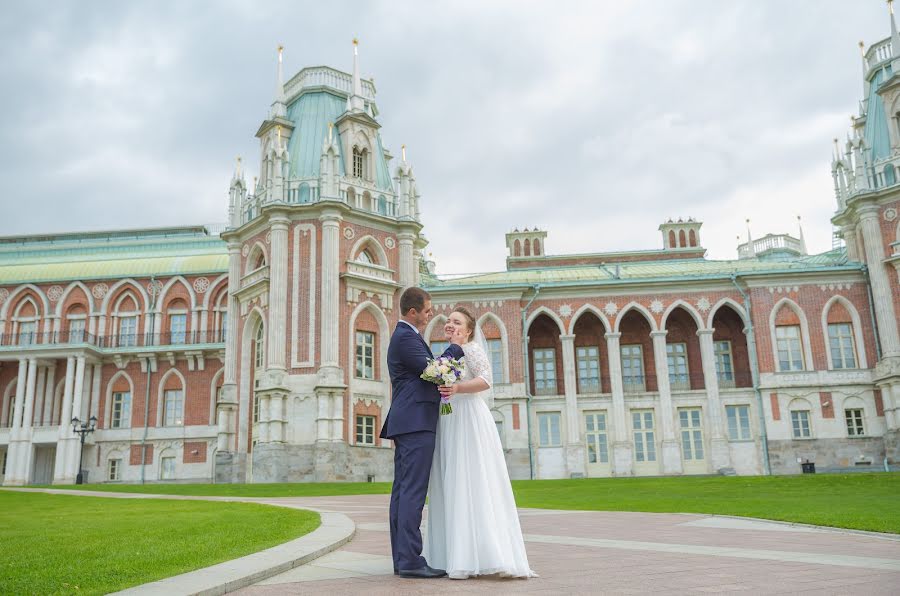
x: 455, y: 336
x: 448, y: 390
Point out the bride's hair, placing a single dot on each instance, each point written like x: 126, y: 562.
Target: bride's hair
x: 470, y: 320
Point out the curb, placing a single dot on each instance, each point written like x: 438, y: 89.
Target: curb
x: 335, y: 531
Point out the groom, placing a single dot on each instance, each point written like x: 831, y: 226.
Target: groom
x: 411, y: 423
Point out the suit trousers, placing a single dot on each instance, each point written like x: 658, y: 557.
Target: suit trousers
x: 413, y: 453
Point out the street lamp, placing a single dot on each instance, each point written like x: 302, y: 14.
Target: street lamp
x: 82, y: 428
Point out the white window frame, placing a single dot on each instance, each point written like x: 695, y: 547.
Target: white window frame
x: 587, y: 365
x: 77, y: 329
x: 550, y: 432
x: 855, y: 421
x: 27, y: 332
x: 175, y: 396
x: 632, y: 354
x: 738, y: 414
x: 365, y: 429
x: 596, y: 436
x: 677, y: 364
x: 114, y: 469
x: 123, y: 405
x: 365, y: 355
x: 690, y: 422
x: 643, y: 428
x: 123, y: 338
x: 167, y: 474
x: 545, y: 380
x: 177, y: 334
x: 495, y: 355
x: 839, y: 358
x: 724, y: 354
x: 259, y: 346
x: 792, y: 346
x: 798, y: 419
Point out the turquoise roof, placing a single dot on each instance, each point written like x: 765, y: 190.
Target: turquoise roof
x: 311, y: 112
x: 111, y: 255
x: 876, y: 131
x: 649, y: 271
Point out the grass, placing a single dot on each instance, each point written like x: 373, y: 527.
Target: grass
x: 858, y: 501
x: 54, y: 544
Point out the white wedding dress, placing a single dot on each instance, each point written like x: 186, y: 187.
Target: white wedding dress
x: 472, y: 525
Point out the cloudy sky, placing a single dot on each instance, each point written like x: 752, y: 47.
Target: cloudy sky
x: 594, y: 121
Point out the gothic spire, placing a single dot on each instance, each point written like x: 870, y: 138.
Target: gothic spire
x: 357, y: 104
x: 279, y: 110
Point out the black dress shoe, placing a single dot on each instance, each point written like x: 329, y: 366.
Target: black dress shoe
x: 425, y: 572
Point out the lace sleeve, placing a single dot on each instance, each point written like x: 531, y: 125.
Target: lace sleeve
x: 477, y: 363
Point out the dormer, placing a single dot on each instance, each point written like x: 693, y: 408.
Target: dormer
x: 527, y: 243
x: 681, y: 234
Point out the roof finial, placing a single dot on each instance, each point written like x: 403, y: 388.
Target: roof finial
x: 278, y: 107
x: 356, y: 99
x: 895, y: 39
x: 802, y: 239
x: 330, y: 132
x: 750, y: 240
x: 237, y: 168
x: 402, y: 152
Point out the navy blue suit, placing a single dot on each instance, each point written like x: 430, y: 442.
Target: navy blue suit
x: 411, y: 423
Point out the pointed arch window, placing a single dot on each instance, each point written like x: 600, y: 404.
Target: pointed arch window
x: 259, y: 347
x: 357, y: 163
x: 365, y: 257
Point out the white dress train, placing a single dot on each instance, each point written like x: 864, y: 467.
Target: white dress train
x: 472, y: 525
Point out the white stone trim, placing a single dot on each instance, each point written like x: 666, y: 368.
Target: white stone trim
x: 641, y: 309
x: 160, y: 401
x: 804, y: 335
x: 587, y: 307
x: 65, y: 294
x: 730, y: 302
x: 107, y: 414
x: 12, y: 296
x: 544, y: 310
x: 370, y: 241
x: 504, y: 341
x: 698, y: 319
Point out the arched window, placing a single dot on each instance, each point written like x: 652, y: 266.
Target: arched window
x: 682, y: 242
x: 537, y: 247
x: 672, y: 243
x: 304, y: 193
x: 382, y: 205
x: 527, y: 247
x: 365, y: 257
x: 357, y: 163
x: 517, y: 248
x: 259, y: 347
x: 692, y: 237
x: 889, y: 175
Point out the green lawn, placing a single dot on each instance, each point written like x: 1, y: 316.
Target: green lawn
x: 860, y: 501
x: 54, y: 544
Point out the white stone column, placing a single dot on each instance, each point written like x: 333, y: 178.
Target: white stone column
x: 881, y: 285
x: 407, y: 260
x: 30, y: 393
x: 95, y: 390
x: 575, y: 453
x: 331, y: 221
x: 77, y: 401
x: 623, y: 449
x: 21, y: 381
x: 25, y: 449
x: 61, y: 473
x: 87, y: 382
x: 850, y: 241
x: 671, y: 449
x: 278, y: 263
x: 337, y: 417
x: 276, y: 418
x: 889, y: 397
x: 49, y: 395
x: 231, y: 337
x: 262, y: 425
x: 720, y: 453
x: 39, y: 393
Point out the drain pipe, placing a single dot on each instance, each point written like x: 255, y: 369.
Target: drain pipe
x: 754, y: 374
x: 527, y: 376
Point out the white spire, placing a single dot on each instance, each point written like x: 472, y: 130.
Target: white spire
x: 802, y: 239
x: 750, y: 240
x: 279, y: 110
x: 895, y: 37
x: 357, y: 104
x: 403, y: 153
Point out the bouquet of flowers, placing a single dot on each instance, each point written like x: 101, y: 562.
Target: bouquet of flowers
x: 444, y: 371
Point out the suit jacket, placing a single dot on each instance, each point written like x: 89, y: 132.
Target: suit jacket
x: 415, y: 403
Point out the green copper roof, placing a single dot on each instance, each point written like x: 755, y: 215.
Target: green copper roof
x: 636, y: 272
x: 111, y: 255
x: 876, y: 131
x: 311, y: 113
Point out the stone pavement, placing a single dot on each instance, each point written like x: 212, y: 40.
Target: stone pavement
x: 578, y: 552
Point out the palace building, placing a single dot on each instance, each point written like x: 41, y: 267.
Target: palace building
x: 257, y: 352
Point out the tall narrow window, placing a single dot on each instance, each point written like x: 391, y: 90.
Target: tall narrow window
x: 223, y: 328
x: 365, y: 355
x: 840, y: 340
x: 128, y: 331
x: 854, y: 418
x: 173, y: 407
x: 76, y: 331
x: 177, y: 328
x: 790, y: 354
x: 27, y: 332
x: 596, y: 437
x: 259, y: 348
x: 121, y: 410
x: 548, y: 424
x: 365, y: 430
x: 676, y: 354
x: 588, y: 361
x: 544, y: 371
x: 724, y: 364
x: 167, y: 468
x: 255, y: 408
x: 738, y: 422
x: 495, y: 353
x: 632, y: 368
x: 113, y: 468
x: 357, y: 163
x: 644, y: 435
x: 800, y: 424
x: 691, y: 433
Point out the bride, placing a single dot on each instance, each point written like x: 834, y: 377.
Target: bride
x: 472, y: 526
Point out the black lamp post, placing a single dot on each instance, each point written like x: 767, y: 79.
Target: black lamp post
x: 82, y: 428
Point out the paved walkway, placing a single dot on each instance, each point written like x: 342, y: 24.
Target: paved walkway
x: 615, y: 553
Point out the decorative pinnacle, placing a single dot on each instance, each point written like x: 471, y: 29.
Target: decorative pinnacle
x: 890, y: 4
x: 403, y: 152
x: 280, y: 51
x: 862, y: 48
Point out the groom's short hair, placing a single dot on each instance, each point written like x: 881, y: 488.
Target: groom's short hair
x: 413, y: 298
